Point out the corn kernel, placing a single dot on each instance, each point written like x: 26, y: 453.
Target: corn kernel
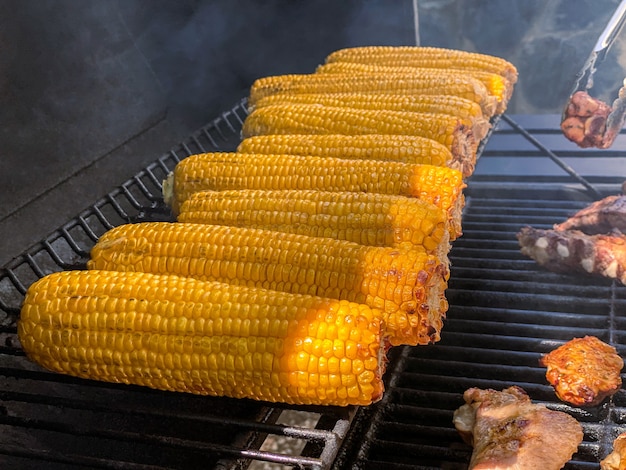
x: 333, y: 365
x: 334, y: 380
x: 173, y: 352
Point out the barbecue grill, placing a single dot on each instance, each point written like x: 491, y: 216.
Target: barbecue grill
x: 505, y: 312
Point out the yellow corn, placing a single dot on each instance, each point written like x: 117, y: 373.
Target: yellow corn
x: 219, y: 171
x: 432, y: 104
x: 450, y: 131
x: 408, y: 285
x: 390, y: 147
x: 177, y: 334
x: 431, y: 57
x: 496, y: 84
x: 365, y: 218
x: 433, y: 83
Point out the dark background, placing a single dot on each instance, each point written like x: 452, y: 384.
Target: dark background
x: 91, y: 91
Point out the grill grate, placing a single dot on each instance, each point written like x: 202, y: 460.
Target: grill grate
x: 65, y: 422
x: 505, y: 313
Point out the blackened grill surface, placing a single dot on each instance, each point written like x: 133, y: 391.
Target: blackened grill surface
x: 505, y: 312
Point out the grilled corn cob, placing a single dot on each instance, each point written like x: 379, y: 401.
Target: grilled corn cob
x: 365, y: 218
x: 433, y: 104
x: 450, y: 131
x: 440, y: 186
x: 408, y: 285
x: 207, y: 338
x: 425, y: 84
x: 431, y: 57
x: 390, y: 147
x: 496, y: 84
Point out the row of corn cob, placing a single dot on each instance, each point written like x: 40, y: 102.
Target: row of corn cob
x: 296, y: 261
x: 442, y: 95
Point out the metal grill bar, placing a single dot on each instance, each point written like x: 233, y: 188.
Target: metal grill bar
x: 567, y: 168
x: 113, y: 426
x: 505, y: 312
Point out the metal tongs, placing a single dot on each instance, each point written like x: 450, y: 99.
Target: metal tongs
x: 584, y: 79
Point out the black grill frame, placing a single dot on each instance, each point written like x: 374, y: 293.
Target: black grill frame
x: 411, y: 427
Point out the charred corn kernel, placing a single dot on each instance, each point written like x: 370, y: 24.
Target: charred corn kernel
x: 431, y: 104
x: 452, y: 132
x: 431, y: 57
x: 497, y: 85
x: 390, y: 147
x: 366, y: 218
x: 426, y: 84
x: 401, y: 282
x: 180, y: 334
x: 440, y: 186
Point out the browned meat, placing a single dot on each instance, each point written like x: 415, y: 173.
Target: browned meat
x: 568, y: 251
x: 584, y: 120
x: 589, y: 122
x: 584, y: 371
x: 601, y: 216
x: 616, y: 460
x: 508, y: 431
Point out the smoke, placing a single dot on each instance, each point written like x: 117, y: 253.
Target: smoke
x: 207, y: 61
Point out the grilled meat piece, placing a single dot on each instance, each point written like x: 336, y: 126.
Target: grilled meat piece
x: 616, y: 460
x: 589, y: 122
x: 584, y: 371
x: 567, y: 251
x: 508, y: 431
x: 601, y: 216
x: 584, y: 120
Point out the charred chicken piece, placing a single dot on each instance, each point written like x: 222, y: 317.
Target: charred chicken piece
x: 616, y: 460
x: 584, y: 371
x: 601, y: 216
x: 508, y: 431
x: 589, y: 122
x: 567, y: 251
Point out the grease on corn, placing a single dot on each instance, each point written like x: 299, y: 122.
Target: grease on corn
x: 440, y: 186
x: 430, y: 57
x: 390, y: 147
x: 496, y: 84
x: 408, y: 285
x: 178, y: 334
x: 455, y: 133
x: 425, y: 84
x: 431, y: 104
x: 365, y: 218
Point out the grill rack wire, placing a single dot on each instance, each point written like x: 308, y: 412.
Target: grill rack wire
x: 411, y: 426
x: 139, y: 199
